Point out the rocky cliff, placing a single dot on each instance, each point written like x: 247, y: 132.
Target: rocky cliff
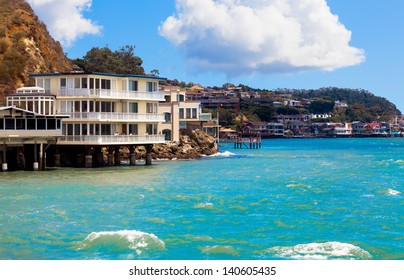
x: 25, y: 47
x: 194, y: 145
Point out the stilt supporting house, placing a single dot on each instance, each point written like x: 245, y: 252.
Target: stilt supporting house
x: 149, y: 149
x: 132, y: 156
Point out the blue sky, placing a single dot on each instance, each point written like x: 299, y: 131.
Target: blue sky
x: 261, y: 43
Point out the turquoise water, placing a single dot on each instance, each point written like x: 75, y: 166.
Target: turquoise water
x: 291, y: 199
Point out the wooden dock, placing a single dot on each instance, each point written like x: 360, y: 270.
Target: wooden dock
x: 251, y: 142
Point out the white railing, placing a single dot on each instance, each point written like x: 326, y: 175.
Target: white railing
x: 115, y: 116
x: 107, y: 93
x: 111, y: 139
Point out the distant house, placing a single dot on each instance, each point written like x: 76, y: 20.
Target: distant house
x: 293, y: 103
x: 339, y: 104
x: 359, y: 129
x: 290, y: 118
x: 379, y: 128
x: 214, y: 104
x: 320, y: 116
x: 264, y: 129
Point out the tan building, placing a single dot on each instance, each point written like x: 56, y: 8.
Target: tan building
x: 105, y: 111
x: 180, y: 114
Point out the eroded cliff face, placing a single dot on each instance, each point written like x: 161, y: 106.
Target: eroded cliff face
x: 25, y: 47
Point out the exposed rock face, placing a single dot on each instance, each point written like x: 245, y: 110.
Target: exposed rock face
x: 25, y: 47
x: 192, y: 146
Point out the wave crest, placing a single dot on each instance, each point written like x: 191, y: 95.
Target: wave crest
x: 123, y: 240
x: 224, y: 154
x: 320, y: 251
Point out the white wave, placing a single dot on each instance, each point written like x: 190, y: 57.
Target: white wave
x: 320, y: 251
x: 393, y: 192
x: 122, y: 240
x: 207, y: 205
x: 224, y: 154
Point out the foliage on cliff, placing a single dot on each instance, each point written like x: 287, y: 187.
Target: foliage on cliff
x: 25, y: 46
x: 122, y: 61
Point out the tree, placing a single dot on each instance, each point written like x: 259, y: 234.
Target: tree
x: 155, y: 72
x: 265, y: 112
x: 122, y: 61
x: 287, y: 110
x: 321, y: 106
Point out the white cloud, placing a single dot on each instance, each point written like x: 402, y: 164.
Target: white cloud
x: 246, y: 36
x: 65, y: 19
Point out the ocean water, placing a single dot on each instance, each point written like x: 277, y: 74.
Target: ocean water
x: 291, y: 199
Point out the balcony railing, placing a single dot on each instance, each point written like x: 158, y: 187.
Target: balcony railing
x: 205, y: 116
x: 127, y: 117
x: 107, y: 93
x: 111, y: 139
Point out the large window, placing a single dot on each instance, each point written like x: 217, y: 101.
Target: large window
x: 105, y: 84
x: 105, y: 129
x: 151, y: 86
x: 43, y: 83
x: 133, y: 107
x: 181, y: 113
x: 188, y: 110
x: 133, y: 129
x: 151, y: 108
x: 108, y: 107
x: 167, y: 117
x: 151, y: 129
x: 133, y: 85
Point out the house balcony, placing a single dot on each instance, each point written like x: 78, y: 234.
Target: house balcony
x: 205, y: 117
x: 110, y: 94
x: 117, y: 117
x: 111, y: 139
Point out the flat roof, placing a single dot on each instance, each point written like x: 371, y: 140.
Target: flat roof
x: 80, y: 73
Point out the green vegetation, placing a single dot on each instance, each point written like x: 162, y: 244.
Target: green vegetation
x: 122, y: 61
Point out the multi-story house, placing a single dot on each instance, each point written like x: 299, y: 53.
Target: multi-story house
x: 105, y: 111
x: 180, y: 113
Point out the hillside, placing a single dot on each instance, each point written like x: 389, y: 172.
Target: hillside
x: 25, y: 47
x: 361, y: 101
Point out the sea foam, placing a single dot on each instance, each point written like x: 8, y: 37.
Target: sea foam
x: 224, y: 154
x: 393, y: 192
x: 320, y: 251
x: 123, y: 240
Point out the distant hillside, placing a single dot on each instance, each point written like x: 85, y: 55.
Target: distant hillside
x: 354, y: 97
x: 25, y: 47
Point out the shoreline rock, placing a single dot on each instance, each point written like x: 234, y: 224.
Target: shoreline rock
x: 192, y: 145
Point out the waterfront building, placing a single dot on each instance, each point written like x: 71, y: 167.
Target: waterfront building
x: 180, y: 113
x: 106, y: 111
x: 25, y: 135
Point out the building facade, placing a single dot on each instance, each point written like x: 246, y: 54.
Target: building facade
x: 104, y: 110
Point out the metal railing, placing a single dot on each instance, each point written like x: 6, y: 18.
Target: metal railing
x: 111, y: 139
x: 105, y: 116
x: 107, y: 93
